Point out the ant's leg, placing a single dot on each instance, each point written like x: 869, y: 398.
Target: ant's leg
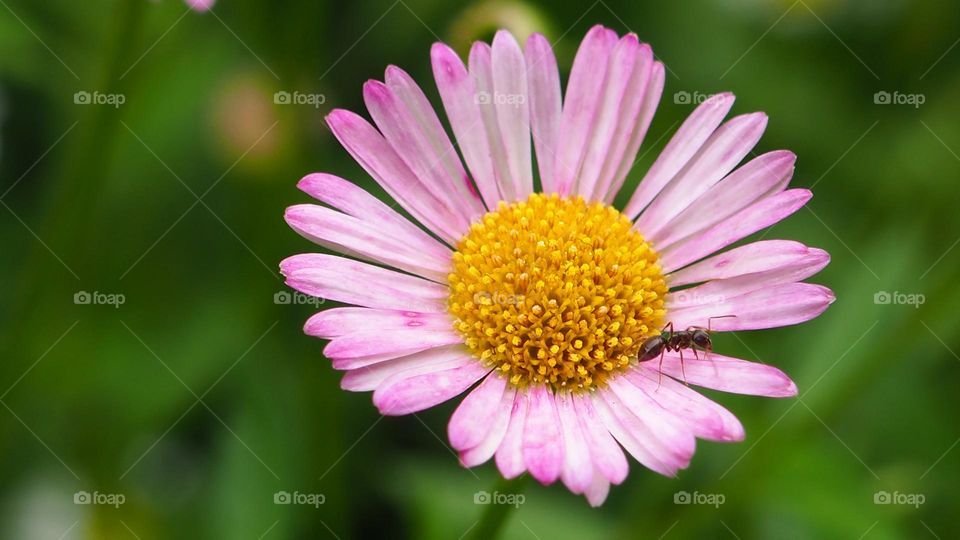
x: 660, y: 369
x: 683, y: 371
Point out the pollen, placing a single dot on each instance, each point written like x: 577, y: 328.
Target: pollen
x: 556, y: 291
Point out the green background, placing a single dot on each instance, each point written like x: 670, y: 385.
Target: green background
x: 199, y: 398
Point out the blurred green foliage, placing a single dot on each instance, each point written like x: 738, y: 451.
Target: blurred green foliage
x: 198, y: 399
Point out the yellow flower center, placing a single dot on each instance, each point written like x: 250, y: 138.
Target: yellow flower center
x: 556, y: 291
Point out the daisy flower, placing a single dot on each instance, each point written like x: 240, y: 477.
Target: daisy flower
x: 537, y: 296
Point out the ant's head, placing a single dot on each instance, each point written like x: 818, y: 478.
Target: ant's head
x: 701, y: 338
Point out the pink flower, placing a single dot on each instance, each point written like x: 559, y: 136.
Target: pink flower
x: 200, y: 5
x: 548, y: 305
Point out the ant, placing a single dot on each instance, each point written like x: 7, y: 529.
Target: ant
x: 694, y: 338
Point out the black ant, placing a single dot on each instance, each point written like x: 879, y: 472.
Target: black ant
x: 694, y: 338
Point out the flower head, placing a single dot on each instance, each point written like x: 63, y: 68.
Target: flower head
x: 574, y: 324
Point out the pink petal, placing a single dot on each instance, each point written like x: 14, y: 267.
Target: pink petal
x: 705, y: 418
x: 374, y: 342
x: 578, y: 470
x: 542, y: 439
x: 355, y: 201
x: 377, y: 157
x: 606, y: 454
x: 509, y: 455
x: 347, y: 320
x: 632, y: 434
x: 459, y: 93
x: 580, y: 105
x: 598, y: 491
x: 651, y: 97
x: 371, y: 376
x: 481, y: 69
x: 758, y: 216
x: 543, y: 82
x: 763, y: 176
x: 510, y: 99
x: 470, y: 423
x: 718, y: 156
x: 352, y: 236
x: 684, y: 144
x: 669, y: 436
x: 619, y: 104
x: 352, y: 282
x: 727, y: 374
x: 402, y: 394
x: 771, y: 307
x: 719, y: 290
x: 495, y: 431
x: 746, y: 259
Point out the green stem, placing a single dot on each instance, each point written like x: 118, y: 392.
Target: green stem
x: 495, y: 512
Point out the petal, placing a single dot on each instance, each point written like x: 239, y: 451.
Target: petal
x: 727, y: 374
x: 377, y: 157
x: 351, y: 236
x: 759, y: 215
x: 481, y: 69
x: 509, y: 455
x: 543, y: 83
x: 542, y: 439
x: 746, y: 259
x: 495, y: 431
x: 720, y: 289
x: 459, y: 93
x: 470, y: 423
x: 352, y: 282
x: 369, y: 377
x: 357, y: 202
x: 763, y: 176
x: 424, y: 156
x: 672, y: 439
x: 718, y: 156
x: 578, y: 470
x: 651, y: 97
x: 705, y: 418
x: 619, y: 103
x: 598, y: 491
x: 684, y: 144
x: 606, y: 454
x: 771, y: 307
x: 404, y: 394
x: 513, y: 111
x: 632, y: 434
x: 341, y: 321
x: 580, y: 105
x: 376, y: 342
